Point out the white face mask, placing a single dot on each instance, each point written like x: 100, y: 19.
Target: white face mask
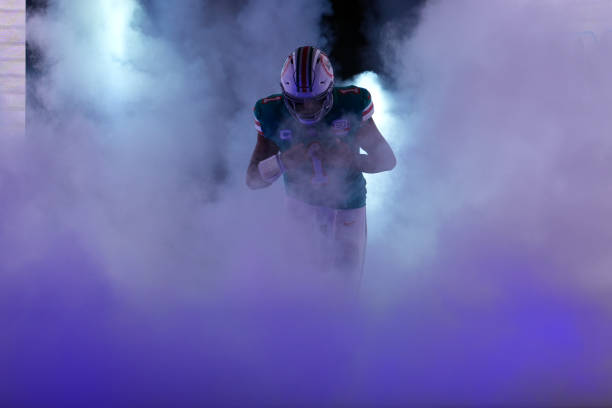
x: 309, y: 110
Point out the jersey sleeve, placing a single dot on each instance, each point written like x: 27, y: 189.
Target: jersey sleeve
x: 257, y: 118
x: 366, y: 104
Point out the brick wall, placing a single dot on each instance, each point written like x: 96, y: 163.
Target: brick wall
x: 12, y: 64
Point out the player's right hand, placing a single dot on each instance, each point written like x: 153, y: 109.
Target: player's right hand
x: 294, y: 157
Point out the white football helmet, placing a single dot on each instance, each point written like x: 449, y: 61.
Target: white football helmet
x: 307, y: 81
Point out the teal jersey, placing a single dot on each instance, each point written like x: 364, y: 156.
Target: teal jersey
x: 318, y: 182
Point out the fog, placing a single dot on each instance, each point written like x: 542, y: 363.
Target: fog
x: 137, y: 268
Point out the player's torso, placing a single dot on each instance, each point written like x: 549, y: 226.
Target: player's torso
x: 318, y: 182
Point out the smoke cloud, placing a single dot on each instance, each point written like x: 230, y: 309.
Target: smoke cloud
x: 137, y: 268
x: 501, y: 234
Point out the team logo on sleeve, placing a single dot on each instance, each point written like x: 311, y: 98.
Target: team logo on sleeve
x: 341, y: 127
x: 285, y: 134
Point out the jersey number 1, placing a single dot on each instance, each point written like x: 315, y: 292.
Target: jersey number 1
x: 319, y: 176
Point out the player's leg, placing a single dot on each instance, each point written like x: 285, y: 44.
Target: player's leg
x: 313, y: 230
x: 350, y: 233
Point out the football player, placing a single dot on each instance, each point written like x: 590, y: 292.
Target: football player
x: 311, y: 134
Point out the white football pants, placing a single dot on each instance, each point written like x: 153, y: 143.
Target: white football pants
x: 339, y: 239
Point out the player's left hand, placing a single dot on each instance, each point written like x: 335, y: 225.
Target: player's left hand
x: 340, y: 155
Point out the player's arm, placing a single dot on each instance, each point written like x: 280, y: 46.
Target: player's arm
x: 379, y: 155
x: 265, y: 149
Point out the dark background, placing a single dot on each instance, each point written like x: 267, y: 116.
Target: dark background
x: 345, y: 29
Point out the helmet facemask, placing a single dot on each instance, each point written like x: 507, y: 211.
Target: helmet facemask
x: 309, y: 110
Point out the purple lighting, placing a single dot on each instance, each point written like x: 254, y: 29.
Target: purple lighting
x: 136, y: 269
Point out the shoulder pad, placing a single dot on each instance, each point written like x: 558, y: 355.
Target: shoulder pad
x: 266, y: 111
x: 267, y: 103
x: 359, y: 98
